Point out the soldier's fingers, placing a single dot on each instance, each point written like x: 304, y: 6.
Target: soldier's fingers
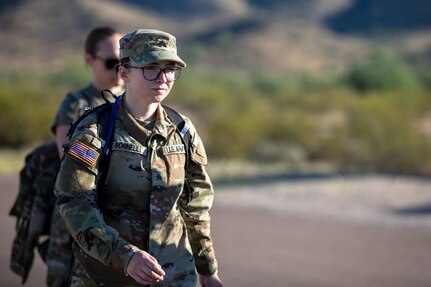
x: 142, y: 276
x: 155, y: 266
x: 153, y: 263
x: 152, y: 274
x: 142, y: 279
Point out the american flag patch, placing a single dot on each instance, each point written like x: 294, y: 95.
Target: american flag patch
x: 84, y: 153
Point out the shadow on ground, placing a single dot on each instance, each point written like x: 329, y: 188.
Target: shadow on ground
x: 419, y: 210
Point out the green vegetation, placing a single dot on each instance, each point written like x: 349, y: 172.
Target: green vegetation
x: 375, y: 118
x: 382, y: 71
x: 29, y: 101
x: 12, y: 160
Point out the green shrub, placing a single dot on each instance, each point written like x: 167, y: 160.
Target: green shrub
x: 382, y: 71
x: 380, y: 135
x: 24, y: 112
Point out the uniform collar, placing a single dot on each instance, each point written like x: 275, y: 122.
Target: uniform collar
x: 92, y: 91
x: 162, y: 125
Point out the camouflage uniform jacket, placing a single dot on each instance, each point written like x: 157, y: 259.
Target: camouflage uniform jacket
x: 141, y: 205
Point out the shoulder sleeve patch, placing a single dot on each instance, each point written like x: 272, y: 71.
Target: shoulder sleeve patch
x: 84, y: 153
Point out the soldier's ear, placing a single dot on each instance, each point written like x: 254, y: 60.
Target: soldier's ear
x: 123, y: 73
x: 88, y: 59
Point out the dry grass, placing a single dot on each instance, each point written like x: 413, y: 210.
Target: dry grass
x: 12, y: 160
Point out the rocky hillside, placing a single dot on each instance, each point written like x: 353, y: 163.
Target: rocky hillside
x: 248, y: 35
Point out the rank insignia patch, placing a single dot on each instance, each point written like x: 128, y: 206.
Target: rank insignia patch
x: 84, y: 153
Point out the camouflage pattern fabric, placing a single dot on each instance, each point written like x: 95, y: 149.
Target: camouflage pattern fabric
x: 75, y: 104
x: 141, y: 205
x: 147, y: 46
x: 59, y: 254
x: 33, y: 206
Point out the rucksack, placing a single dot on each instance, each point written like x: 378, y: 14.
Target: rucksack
x: 35, y: 200
x: 33, y: 207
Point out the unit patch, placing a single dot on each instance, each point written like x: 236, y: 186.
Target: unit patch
x: 129, y: 147
x: 84, y: 153
x: 173, y: 149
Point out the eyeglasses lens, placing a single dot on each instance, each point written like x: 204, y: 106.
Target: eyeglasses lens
x: 152, y: 73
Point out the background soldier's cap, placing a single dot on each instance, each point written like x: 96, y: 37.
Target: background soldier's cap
x: 147, y: 46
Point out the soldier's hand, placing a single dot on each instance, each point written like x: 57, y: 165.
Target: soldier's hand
x: 210, y: 281
x: 145, y: 269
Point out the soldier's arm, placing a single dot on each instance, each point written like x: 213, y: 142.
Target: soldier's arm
x: 197, y: 215
x: 76, y: 193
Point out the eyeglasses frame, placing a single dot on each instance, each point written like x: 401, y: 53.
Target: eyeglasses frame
x: 108, y: 66
x: 159, y: 73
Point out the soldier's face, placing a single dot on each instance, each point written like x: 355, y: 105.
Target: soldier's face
x: 154, y: 91
x: 104, y: 74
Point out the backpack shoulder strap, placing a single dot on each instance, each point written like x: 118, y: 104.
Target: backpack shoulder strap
x: 181, y: 125
x: 184, y: 131
x: 99, y: 109
x: 106, y: 122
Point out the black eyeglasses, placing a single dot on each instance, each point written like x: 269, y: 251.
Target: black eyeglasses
x: 152, y: 73
x: 110, y: 63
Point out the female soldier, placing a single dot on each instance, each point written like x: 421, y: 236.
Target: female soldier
x: 138, y: 223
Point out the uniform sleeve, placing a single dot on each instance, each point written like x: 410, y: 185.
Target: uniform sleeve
x: 197, y: 215
x: 75, y: 189
x: 68, y: 112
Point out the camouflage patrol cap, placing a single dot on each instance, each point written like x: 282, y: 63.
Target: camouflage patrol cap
x: 147, y: 46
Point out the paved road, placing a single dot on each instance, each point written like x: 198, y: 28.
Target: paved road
x: 296, y: 246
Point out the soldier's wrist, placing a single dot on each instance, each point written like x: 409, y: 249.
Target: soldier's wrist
x: 122, y: 256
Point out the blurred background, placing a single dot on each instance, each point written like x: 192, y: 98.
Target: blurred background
x: 299, y: 90
x: 341, y: 83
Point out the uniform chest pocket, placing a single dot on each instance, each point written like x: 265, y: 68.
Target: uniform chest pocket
x: 128, y: 169
x: 175, y: 158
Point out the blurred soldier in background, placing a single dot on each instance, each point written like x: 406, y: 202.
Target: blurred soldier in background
x: 35, y: 205
x: 102, y: 57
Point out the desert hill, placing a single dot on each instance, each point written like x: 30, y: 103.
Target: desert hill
x: 246, y: 35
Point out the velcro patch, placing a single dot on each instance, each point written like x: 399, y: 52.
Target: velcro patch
x: 173, y: 149
x: 129, y: 147
x: 84, y: 153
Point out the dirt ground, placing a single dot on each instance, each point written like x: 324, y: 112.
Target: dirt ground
x: 302, y: 232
